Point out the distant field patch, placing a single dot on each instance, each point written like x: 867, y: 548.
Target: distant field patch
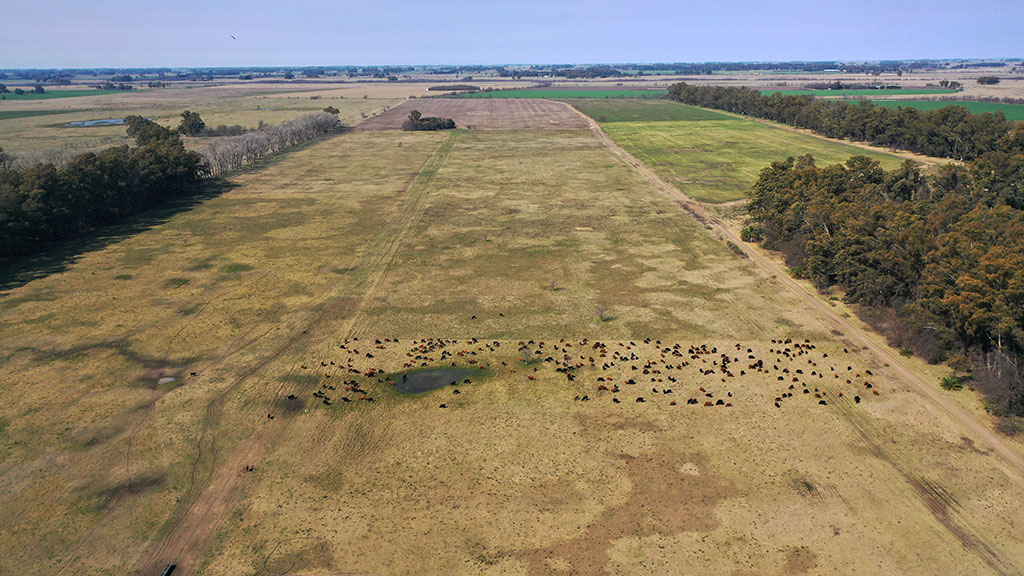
x: 482, y: 115
x: 826, y: 93
x: 719, y: 160
x: 1010, y: 111
x: 12, y: 114
x: 568, y: 93
x: 58, y: 94
x: 643, y: 111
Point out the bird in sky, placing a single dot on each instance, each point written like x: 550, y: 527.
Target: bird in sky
x: 232, y: 37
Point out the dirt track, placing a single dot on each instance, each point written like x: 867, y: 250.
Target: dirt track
x: 1013, y: 459
x: 211, y: 494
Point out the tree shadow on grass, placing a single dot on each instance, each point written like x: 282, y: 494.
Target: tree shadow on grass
x: 59, y: 257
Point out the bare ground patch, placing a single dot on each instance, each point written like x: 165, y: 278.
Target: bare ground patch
x: 483, y: 114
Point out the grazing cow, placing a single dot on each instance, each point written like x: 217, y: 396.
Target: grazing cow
x: 640, y: 399
x: 856, y: 399
x: 270, y: 416
x: 823, y: 403
x: 443, y: 406
x: 616, y: 400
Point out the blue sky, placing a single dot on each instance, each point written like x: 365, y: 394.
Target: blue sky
x: 182, y: 33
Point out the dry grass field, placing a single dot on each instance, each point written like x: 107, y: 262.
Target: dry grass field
x: 333, y: 269
x: 475, y: 114
x: 246, y: 104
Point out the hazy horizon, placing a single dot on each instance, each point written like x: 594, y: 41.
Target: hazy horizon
x: 189, y: 34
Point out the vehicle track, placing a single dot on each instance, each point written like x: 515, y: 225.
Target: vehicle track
x: 1011, y: 459
x: 184, y: 545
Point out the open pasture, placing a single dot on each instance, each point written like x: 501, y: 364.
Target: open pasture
x: 481, y: 115
x: 179, y: 393
x: 36, y: 128
x: 866, y: 92
x: 563, y: 92
x: 644, y: 111
x: 1010, y: 111
x: 718, y: 160
x: 54, y: 93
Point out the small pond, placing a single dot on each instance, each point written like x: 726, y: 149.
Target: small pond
x: 104, y: 122
x: 432, y: 379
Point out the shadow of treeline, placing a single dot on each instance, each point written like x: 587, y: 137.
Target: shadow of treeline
x: 60, y: 256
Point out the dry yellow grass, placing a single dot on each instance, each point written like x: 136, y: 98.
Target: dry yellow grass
x: 408, y: 236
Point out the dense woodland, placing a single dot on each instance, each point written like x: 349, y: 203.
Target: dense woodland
x: 937, y: 263
x: 949, y: 132
x: 42, y: 204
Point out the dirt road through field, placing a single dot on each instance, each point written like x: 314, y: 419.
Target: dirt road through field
x: 1011, y: 457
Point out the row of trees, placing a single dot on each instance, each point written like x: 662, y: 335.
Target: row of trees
x: 232, y: 152
x: 937, y: 262
x: 42, y: 203
x: 949, y: 132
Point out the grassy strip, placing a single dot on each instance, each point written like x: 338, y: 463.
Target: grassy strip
x: 718, y: 161
x: 58, y: 94
x: 568, y: 94
x: 1010, y: 111
x: 644, y: 111
x: 13, y: 114
x: 911, y: 92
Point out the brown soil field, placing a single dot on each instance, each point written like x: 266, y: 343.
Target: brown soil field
x: 482, y: 114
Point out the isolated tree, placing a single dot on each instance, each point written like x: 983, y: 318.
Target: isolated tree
x: 38, y: 89
x: 288, y: 75
x: 3, y: 89
x: 191, y: 124
x: 988, y: 80
x: 332, y: 110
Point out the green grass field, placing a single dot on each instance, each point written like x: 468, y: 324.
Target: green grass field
x: 51, y: 94
x: 719, y: 160
x: 643, y: 111
x: 561, y: 94
x: 1010, y: 111
x: 825, y: 93
x: 12, y: 114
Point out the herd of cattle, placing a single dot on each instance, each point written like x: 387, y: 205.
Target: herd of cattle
x: 598, y: 370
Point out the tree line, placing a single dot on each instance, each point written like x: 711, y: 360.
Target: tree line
x: 936, y: 262
x: 948, y: 132
x: 42, y: 204
x: 45, y: 203
x: 229, y: 153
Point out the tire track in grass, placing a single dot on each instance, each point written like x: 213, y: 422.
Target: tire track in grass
x: 1011, y: 459
x: 191, y: 532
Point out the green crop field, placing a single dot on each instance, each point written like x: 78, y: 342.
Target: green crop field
x: 718, y: 160
x: 825, y: 93
x: 643, y: 111
x: 1010, y: 111
x: 12, y: 114
x: 57, y: 94
x: 568, y: 94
